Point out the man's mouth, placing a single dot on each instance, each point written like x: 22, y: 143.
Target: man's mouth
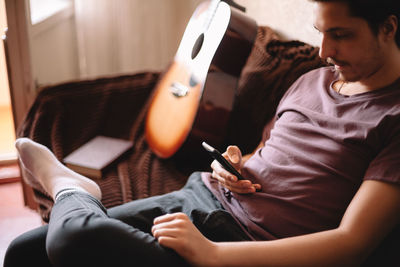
x: 339, y: 65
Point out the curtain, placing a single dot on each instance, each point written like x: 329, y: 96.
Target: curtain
x: 125, y: 36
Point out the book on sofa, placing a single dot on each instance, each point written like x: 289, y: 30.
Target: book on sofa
x: 94, y: 157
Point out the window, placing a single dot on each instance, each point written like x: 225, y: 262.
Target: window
x: 42, y: 9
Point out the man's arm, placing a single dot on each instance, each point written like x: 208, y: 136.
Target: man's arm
x: 372, y: 214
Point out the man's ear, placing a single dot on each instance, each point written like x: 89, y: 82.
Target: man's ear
x: 390, y: 27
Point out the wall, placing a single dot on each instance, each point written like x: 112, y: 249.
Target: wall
x: 137, y: 36
x: 129, y: 35
x: 53, y: 48
x: 292, y: 19
x: 102, y: 37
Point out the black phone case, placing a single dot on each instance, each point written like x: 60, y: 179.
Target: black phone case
x: 224, y: 163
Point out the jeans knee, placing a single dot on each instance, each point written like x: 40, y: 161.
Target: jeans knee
x: 28, y: 249
x: 80, y: 244
x: 13, y: 252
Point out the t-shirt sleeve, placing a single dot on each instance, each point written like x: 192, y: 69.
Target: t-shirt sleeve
x: 385, y: 166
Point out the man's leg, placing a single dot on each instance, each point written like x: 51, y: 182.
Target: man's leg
x: 80, y: 227
x: 80, y: 233
x: 195, y: 200
x: 90, y: 228
x: 28, y: 249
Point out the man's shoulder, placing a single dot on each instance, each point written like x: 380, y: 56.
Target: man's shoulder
x: 322, y: 76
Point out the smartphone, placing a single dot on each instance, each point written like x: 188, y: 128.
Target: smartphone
x: 224, y: 163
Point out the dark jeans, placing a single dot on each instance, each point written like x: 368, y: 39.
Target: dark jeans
x: 82, y: 232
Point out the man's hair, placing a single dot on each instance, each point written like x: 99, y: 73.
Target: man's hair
x: 375, y: 12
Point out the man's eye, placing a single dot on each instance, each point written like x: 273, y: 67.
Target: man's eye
x: 341, y: 36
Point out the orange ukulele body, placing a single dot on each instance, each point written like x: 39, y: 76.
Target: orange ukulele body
x: 194, y: 97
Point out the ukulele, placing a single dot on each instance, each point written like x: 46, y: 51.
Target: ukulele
x: 193, y: 99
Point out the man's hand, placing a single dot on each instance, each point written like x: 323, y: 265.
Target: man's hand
x: 177, y: 232
x: 228, y: 180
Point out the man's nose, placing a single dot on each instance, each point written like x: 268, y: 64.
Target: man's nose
x: 327, y: 49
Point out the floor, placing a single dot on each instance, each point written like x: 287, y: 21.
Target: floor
x: 15, y: 218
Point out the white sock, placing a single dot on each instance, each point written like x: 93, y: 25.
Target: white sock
x: 39, y: 162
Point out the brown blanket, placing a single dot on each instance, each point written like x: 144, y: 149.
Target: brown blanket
x: 67, y: 115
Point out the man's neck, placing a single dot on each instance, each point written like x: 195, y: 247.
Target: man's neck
x: 388, y: 73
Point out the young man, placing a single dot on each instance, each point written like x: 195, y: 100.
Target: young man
x: 328, y: 175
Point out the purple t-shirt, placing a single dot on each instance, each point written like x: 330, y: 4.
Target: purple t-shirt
x: 321, y: 148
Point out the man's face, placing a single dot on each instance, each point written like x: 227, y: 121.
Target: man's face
x: 347, y: 42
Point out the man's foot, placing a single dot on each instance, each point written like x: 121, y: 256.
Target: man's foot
x: 39, y: 162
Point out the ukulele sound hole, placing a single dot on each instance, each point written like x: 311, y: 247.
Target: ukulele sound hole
x: 178, y: 89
